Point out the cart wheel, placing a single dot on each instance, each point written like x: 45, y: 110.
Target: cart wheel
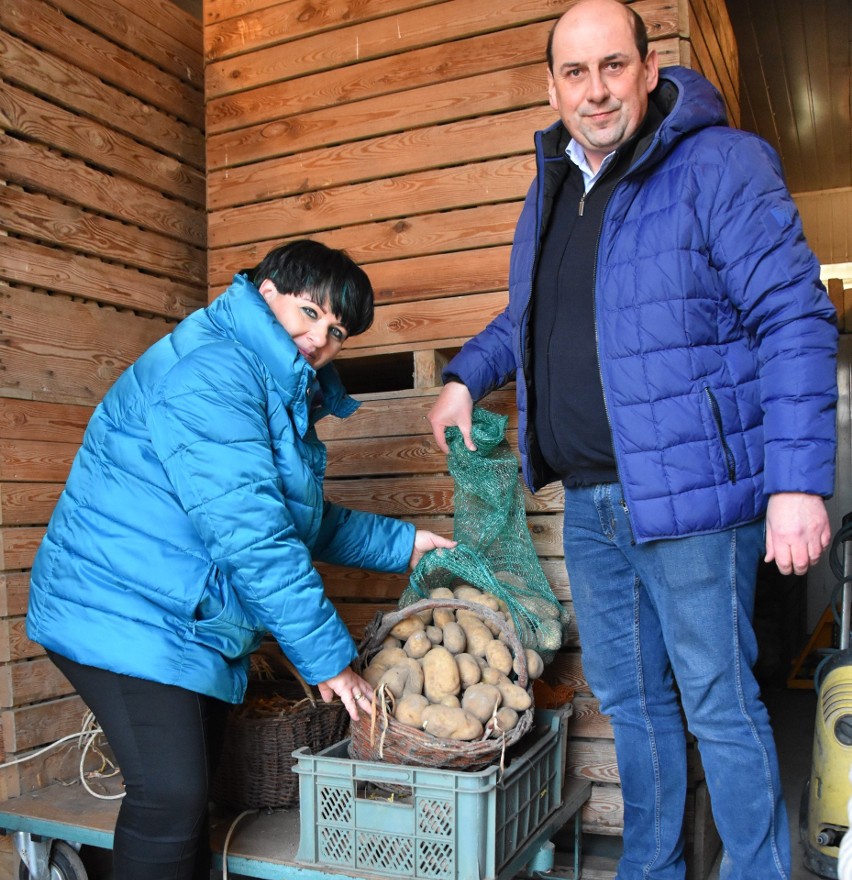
x: 65, y: 864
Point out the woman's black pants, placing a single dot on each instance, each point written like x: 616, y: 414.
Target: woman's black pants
x: 166, y: 741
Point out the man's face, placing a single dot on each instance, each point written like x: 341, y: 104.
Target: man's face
x: 599, y: 85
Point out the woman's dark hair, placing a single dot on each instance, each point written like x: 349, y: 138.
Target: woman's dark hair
x: 329, y: 277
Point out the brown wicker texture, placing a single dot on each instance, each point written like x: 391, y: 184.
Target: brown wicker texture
x: 260, y: 736
x: 383, y: 738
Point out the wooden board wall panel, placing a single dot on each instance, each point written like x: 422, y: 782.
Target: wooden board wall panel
x: 31, y: 726
x: 30, y: 68
x: 35, y: 461
x: 14, y: 592
x: 38, y: 168
x: 48, y: 28
x: 66, y: 351
x: 240, y: 140
x: 456, y: 143
x: 52, y: 222
x: 709, y: 51
x: 426, y: 191
x: 18, y: 545
x: 593, y: 760
x: 26, y: 503
x: 256, y: 79
x: 31, y: 682
x: 142, y: 28
x: 237, y: 26
x: 14, y: 644
x: 82, y: 276
x: 42, y: 121
x: 442, y: 232
x: 32, y: 420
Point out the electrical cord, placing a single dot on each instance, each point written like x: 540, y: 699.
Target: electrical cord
x: 91, y: 732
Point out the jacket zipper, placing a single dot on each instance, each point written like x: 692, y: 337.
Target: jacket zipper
x: 717, y: 418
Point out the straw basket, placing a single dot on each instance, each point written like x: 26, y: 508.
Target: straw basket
x: 381, y: 737
x: 260, y: 737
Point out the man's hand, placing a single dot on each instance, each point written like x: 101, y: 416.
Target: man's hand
x: 797, y: 531
x: 454, y: 407
x: 426, y: 541
x: 354, y: 692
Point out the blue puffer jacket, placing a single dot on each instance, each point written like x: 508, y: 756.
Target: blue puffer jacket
x: 716, y: 340
x: 194, y: 509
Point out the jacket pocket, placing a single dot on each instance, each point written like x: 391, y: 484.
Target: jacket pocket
x: 220, y: 622
x: 716, y: 413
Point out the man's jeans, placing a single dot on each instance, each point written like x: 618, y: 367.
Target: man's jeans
x: 666, y: 617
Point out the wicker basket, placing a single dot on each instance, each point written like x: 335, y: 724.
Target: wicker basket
x: 381, y: 737
x: 261, y: 735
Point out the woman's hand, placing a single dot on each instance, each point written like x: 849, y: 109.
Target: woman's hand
x: 426, y: 541
x: 353, y: 691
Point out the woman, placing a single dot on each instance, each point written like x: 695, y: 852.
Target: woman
x: 188, y: 528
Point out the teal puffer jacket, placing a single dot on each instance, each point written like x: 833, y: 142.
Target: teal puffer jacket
x: 194, y: 511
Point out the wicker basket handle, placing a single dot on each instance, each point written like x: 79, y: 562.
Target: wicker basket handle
x: 376, y: 631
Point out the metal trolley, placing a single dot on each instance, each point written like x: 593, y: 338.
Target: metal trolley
x: 494, y: 826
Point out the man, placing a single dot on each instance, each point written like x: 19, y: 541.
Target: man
x: 674, y: 354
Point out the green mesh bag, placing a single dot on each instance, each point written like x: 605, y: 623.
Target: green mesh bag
x: 495, y: 552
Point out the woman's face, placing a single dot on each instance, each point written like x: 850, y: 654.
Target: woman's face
x: 318, y: 333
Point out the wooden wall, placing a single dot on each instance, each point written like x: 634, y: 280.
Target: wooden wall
x: 827, y: 220
x: 401, y: 130
x: 102, y: 250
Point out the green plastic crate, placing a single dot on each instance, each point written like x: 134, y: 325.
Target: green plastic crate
x: 436, y: 824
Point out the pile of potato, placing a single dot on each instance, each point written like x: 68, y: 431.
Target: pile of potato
x: 452, y: 674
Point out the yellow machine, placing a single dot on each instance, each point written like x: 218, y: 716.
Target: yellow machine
x: 824, y: 818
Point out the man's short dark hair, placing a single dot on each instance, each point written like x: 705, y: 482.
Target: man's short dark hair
x: 640, y: 35
x: 329, y: 277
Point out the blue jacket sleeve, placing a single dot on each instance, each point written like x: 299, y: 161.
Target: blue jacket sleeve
x: 364, y: 540
x: 486, y: 361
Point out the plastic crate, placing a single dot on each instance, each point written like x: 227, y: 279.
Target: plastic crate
x: 371, y: 818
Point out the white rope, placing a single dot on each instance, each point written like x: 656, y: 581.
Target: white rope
x: 844, y: 858
x: 228, y: 840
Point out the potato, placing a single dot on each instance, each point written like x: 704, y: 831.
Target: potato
x: 440, y: 674
x: 505, y: 720
x: 409, y: 710
x: 406, y: 627
x: 441, y: 593
x: 470, y: 671
x: 493, y: 676
x: 404, y: 678
x: 535, y: 665
x: 451, y: 701
x: 514, y: 696
x: 448, y: 723
x: 477, y: 634
x: 442, y: 616
x: 454, y: 639
x: 471, y: 594
x: 481, y: 700
x: 391, y: 642
x: 383, y: 661
x: 467, y: 593
x: 498, y: 656
x: 435, y: 634
x: 417, y: 644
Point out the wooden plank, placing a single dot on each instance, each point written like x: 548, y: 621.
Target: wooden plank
x: 233, y: 26
x: 35, y: 461
x: 430, y: 320
x: 68, y: 86
x: 30, y: 726
x: 345, y: 68
x: 603, y: 812
x: 708, y: 58
x: 14, y: 593
x: 179, y: 22
x: 91, y: 346
x: 31, y: 682
x: 367, y: 243
x: 77, y: 275
x: 593, y: 760
x: 36, y: 167
x: 16, y: 645
x: 31, y: 420
x: 455, y: 143
x: 142, y: 30
x: 58, y: 223
x: 26, y: 503
x: 75, y: 135
x: 18, y: 545
x: 45, y: 26
x: 497, y: 180
x: 265, y: 136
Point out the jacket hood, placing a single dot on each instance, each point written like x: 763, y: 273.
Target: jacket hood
x: 240, y: 313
